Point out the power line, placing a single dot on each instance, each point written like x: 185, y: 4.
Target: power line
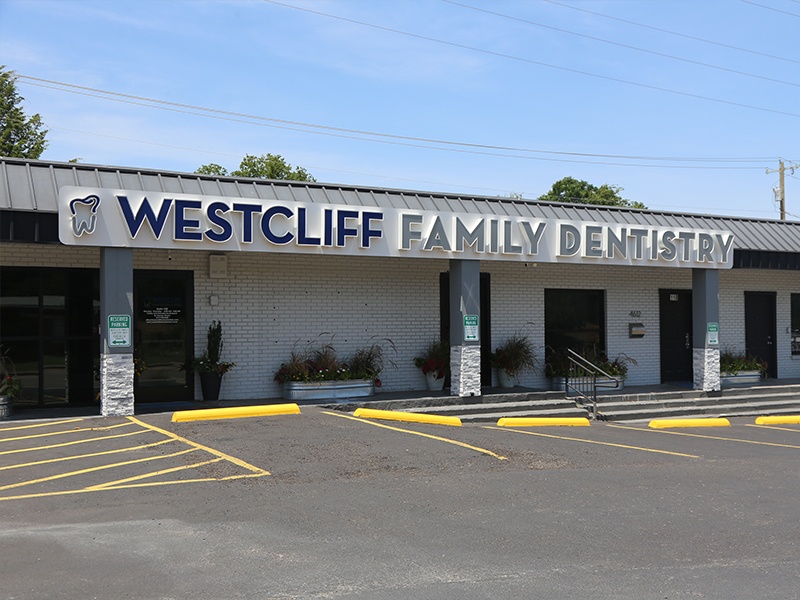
x: 675, y: 33
x: 419, y: 142
x: 621, y: 45
x: 535, y: 62
x: 772, y: 8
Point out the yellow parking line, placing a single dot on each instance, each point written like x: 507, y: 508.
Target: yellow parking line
x: 773, y: 427
x: 92, y: 469
x: 72, y: 443
x: 561, y: 437
x: 76, y: 430
x: 77, y: 456
x: 227, y: 457
x: 109, y: 484
x: 48, y: 424
x: 708, y: 437
x: 133, y: 485
x: 419, y: 433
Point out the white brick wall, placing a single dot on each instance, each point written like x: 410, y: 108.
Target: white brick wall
x: 269, y: 303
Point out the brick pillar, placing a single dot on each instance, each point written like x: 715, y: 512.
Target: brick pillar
x: 705, y: 334
x: 465, y: 354
x: 116, y: 340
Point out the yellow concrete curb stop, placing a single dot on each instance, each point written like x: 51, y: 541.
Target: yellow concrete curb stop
x: 390, y: 415
x: 235, y: 412
x: 543, y: 422
x: 779, y: 420
x: 670, y: 423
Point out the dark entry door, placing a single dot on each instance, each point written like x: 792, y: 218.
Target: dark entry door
x: 759, y: 328
x: 675, y: 310
x: 485, y: 322
x: 163, y: 326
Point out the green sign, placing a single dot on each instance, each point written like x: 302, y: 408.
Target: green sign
x: 119, y: 331
x: 471, y: 329
x: 713, y: 334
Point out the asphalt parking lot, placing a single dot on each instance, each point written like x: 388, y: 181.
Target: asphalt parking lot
x: 326, y: 505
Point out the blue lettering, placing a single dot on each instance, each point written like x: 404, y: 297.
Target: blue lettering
x: 328, y: 227
x: 247, y: 211
x: 265, y: 225
x: 226, y: 229
x: 181, y: 222
x: 302, y: 224
x: 341, y: 230
x: 145, y: 213
x: 366, y: 231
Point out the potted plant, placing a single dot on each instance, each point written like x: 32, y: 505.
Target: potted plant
x: 617, y: 367
x: 515, y: 356
x: 316, y: 374
x: 10, y: 384
x: 209, y: 365
x: 738, y: 368
x: 435, y: 364
x: 557, y: 366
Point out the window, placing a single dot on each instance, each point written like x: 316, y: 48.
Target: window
x: 796, y: 324
x: 574, y: 319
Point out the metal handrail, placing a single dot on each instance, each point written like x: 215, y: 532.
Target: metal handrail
x: 582, y: 378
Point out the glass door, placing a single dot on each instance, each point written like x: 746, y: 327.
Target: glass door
x: 163, y: 335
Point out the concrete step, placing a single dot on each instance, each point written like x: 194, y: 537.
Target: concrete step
x: 722, y: 407
x: 561, y: 404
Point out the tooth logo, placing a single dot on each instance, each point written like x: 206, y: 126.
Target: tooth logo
x: 84, y: 214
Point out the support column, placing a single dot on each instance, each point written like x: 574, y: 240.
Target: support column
x: 465, y: 343
x: 705, y: 329
x: 116, y: 331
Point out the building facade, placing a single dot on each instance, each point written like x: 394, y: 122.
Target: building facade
x: 290, y: 264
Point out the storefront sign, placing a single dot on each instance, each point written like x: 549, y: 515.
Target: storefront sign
x: 120, y: 218
x: 119, y: 331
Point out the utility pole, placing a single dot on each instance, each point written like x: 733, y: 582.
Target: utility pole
x: 781, y: 192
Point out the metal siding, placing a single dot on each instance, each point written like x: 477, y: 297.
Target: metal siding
x: 31, y: 185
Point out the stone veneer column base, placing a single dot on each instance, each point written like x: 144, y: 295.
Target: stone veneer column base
x: 465, y: 369
x: 706, y: 369
x: 116, y: 385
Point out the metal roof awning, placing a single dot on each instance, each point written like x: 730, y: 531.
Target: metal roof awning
x: 33, y: 185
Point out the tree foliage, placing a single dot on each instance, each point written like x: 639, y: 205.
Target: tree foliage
x: 266, y: 166
x: 577, y: 191
x: 20, y: 136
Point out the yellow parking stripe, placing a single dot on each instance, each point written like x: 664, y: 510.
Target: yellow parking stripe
x: 419, y: 433
x: 48, y: 424
x: 708, y: 437
x: 227, y: 457
x: 773, y: 427
x: 72, y: 443
x: 76, y: 430
x: 109, y: 484
x: 133, y: 485
x: 572, y: 439
x: 92, y: 469
x: 77, y: 456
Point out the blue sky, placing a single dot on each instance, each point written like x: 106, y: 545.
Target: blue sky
x: 683, y: 103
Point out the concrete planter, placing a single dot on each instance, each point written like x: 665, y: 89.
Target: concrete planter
x: 6, y: 407
x: 505, y: 379
x: 327, y: 390
x: 435, y: 384
x: 741, y: 378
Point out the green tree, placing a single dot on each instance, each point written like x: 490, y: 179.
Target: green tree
x: 570, y: 189
x: 266, y: 166
x: 20, y: 137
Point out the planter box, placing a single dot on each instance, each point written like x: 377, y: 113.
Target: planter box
x: 741, y: 378
x: 326, y: 390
